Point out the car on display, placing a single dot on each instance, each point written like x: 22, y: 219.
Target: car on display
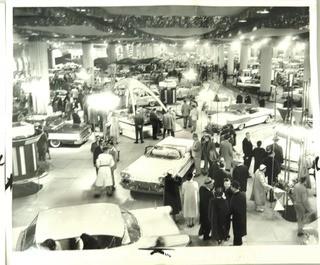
x: 242, y: 115
x: 185, y: 92
x: 146, y: 174
x: 107, y: 223
x: 61, y: 131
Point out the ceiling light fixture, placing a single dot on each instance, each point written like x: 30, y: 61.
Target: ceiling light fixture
x: 254, y: 28
x: 264, y: 11
x: 242, y: 20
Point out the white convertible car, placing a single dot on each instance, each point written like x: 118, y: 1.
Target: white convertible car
x: 147, y: 172
x: 109, y: 225
x: 242, y: 115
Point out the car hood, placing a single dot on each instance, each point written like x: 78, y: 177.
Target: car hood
x: 156, y: 168
x: 159, y: 218
x: 224, y: 118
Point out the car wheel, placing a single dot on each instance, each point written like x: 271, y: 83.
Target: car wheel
x: 241, y: 126
x: 55, y: 143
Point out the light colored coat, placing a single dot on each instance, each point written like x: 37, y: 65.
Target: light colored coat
x: 259, y: 188
x: 227, y: 153
x: 114, y: 127
x: 104, y: 163
x: 167, y: 121
x: 190, y: 193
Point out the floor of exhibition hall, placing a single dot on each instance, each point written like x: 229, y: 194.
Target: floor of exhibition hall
x: 71, y: 175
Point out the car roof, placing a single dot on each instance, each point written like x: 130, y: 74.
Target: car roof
x: 72, y: 221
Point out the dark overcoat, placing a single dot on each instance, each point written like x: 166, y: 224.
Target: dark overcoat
x: 238, y: 210
x: 171, y: 194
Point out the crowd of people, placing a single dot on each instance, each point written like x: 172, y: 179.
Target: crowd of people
x: 221, y: 200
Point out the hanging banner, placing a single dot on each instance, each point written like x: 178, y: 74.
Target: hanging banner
x: 278, y: 193
x: 297, y: 114
x: 278, y: 207
x: 283, y: 112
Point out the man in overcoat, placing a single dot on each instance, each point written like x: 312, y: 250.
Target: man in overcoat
x: 205, y: 195
x: 238, y: 210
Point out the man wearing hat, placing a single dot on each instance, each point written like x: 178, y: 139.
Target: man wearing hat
x: 273, y: 169
x: 259, y: 188
x: 138, y: 123
x: 241, y: 174
x: 238, y: 211
x: 277, y: 149
x: 205, y: 195
x: 206, y: 147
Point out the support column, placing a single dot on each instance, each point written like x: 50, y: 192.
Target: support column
x: 221, y: 56
x: 111, y: 52
x: 39, y: 87
x: 125, y: 51
x: 215, y: 54
x: 306, y: 79
x: 266, y: 66
x: 88, y: 61
x: 244, y: 55
x: 230, y: 60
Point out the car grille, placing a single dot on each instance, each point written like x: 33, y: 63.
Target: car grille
x: 140, y: 186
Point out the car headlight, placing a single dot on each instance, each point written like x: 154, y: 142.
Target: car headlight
x: 125, y: 175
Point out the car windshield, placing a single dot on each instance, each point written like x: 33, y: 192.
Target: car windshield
x: 132, y: 229
x: 165, y: 152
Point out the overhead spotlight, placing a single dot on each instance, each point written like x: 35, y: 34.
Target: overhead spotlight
x: 254, y: 28
x: 152, y: 39
x: 264, y: 11
x: 242, y: 20
x: 72, y: 36
x: 83, y: 10
x: 34, y: 34
x: 122, y: 33
x: 230, y: 35
x: 55, y: 35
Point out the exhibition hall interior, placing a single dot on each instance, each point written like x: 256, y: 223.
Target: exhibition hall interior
x: 162, y: 126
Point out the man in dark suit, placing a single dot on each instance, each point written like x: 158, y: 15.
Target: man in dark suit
x: 273, y: 169
x: 138, y: 123
x: 155, y: 123
x: 205, y: 194
x: 258, y: 153
x: 277, y: 149
x: 228, y: 194
x: 238, y: 211
x: 241, y: 174
x: 220, y: 175
x: 247, y: 150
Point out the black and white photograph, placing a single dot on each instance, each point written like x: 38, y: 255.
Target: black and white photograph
x: 161, y: 128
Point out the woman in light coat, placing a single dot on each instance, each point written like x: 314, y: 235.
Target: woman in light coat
x: 190, y: 196
x: 114, y: 128
x: 104, y: 163
x: 259, y: 188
